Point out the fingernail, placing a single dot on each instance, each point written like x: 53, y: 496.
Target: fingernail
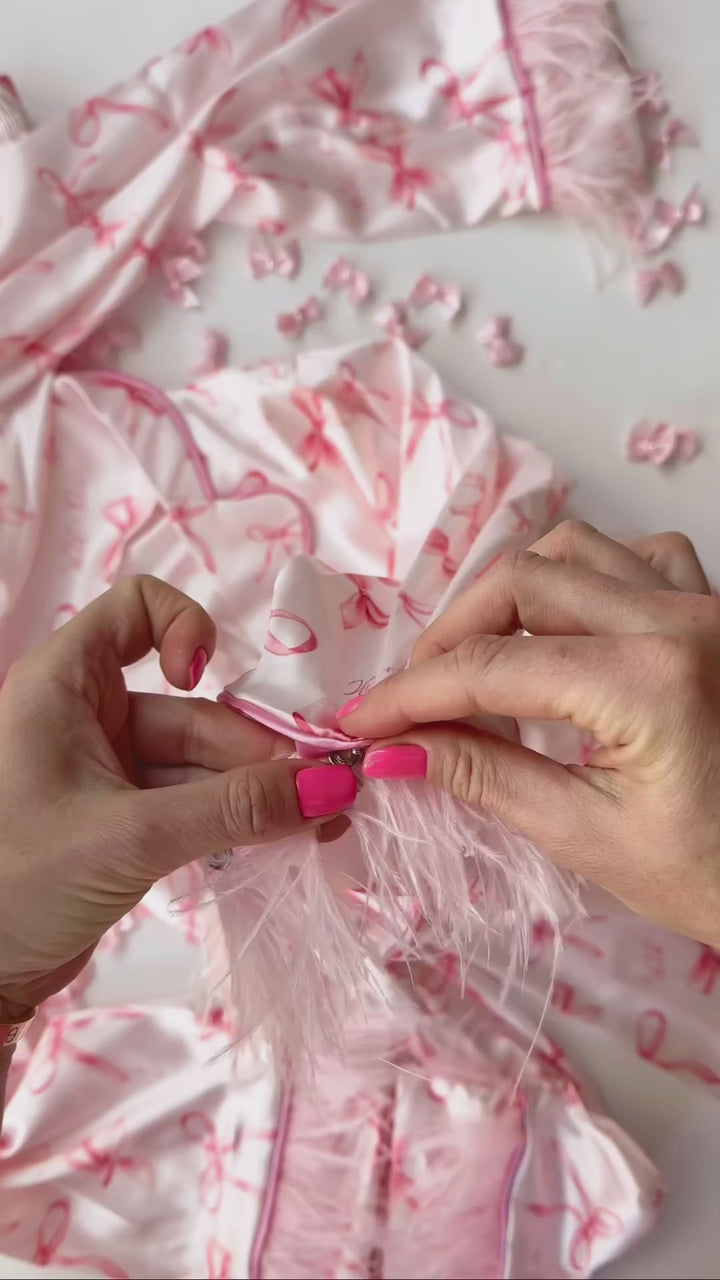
x: 326, y: 789
x: 349, y: 707
x: 197, y: 666
x: 402, y: 761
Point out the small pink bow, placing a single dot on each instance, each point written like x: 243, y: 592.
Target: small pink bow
x: 214, y: 354
x: 125, y: 516
x: 360, y: 608
x: 664, y: 219
x: 292, y: 324
x: 51, y: 1237
x: 649, y: 283
x: 494, y: 336
x: 437, y: 543
x: 661, y: 443
x: 286, y: 537
x: 315, y: 448
x: 393, y: 318
x: 429, y: 291
x: 181, y: 514
x: 180, y: 267
x: 266, y: 259
x: 343, y: 274
x: 673, y: 133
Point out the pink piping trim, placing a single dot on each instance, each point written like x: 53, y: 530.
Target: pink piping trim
x: 271, y: 1190
x: 111, y: 377
x: 322, y: 746
x: 527, y: 94
x: 509, y: 1181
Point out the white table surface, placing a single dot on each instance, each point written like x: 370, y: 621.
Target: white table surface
x: 595, y: 364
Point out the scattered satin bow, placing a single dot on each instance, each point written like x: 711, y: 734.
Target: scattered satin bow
x: 651, y: 232
x: 180, y: 268
x: 213, y: 354
x: 429, y: 291
x: 343, y: 274
x: 648, y: 283
x: 393, y: 318
x: 265, y: 259
x: 661, y: 443
x: 673, y: 133
x: 292, y: 324
x: 494, y: 336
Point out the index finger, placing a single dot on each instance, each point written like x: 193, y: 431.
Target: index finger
x: 124, y: 624
x: 592, y: 681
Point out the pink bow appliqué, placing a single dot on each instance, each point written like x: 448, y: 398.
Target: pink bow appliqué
x: 393, y: 318
x: 180, y: 267
x: 292, y: 324
x: 265, y: 259
x: 652, y: 231
x: 661, y: 443
x: 360, y: 609
x: 673, y: 133
x: 649, y: 283
x: 343, y: 274
x: 429, y: 291
x: 495, y: 337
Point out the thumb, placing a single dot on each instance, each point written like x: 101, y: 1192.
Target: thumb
x: 172, y: 826
x: 561, y: 809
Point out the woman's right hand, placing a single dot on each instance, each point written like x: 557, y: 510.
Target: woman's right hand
x: 624, y: 643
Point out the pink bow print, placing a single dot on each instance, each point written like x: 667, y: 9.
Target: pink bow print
x: 124, y: 515
x: 52, y: 1234
x: 428, y: 290
x: 85, y: 125
x: 649, y: 283
x: 292, y: 324
x: 211, y: 39
x: 455, y: 91
x: 594, y: 1222
x: 282, y: 650
x: 342, y: 92
x: 181, y: 265
x: 494, y: 335
x: 55, y: 1045
x: 564, y: 998
x: 407, y: 181
x: 356, y: 396
x: 393, y: 318
x: 522, y: 523
x: 706, y: 970
x: 423, y: 412
x: 11, y: 514
x: 199, y: 1128
x: 661, y: 443
x: 181, y: 514
x: 79, y: 206
x: 437, y: 543
x: 285, y: 537
x: 360, y: 609
x: 219, y: 1261
x: 265, y: 259
x: 302, y: 13
x: 314, y: 448
x: 343, y: 274
x: 106, y: 1162
x: 650, y: 1035
x: 418, y: 612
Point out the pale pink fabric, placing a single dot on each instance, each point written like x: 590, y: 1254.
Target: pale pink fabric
x: 130, y: 1148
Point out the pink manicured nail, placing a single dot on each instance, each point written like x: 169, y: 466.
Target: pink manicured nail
x: 402, y: 761
x: 197, y: 666
x: 349, y: 707
x: 324, y: 790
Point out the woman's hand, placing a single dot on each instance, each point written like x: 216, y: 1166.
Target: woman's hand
x: 103, y: 792
x: 625, y: 644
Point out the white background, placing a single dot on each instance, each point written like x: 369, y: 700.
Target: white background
x: 595, y: 364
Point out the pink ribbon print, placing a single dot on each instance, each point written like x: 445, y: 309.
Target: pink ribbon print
x: 437, y: 543
x: 650, y: 1036
x: 104, y: 1160
x: 455, y: 92
x: 284, y: 538
x: 182, y: 514
x: 51, y: 1237
x: 407, y: 181
x: 55, y: 1046
x: 298, y: 15
x: 86, y: 122
x: 211, y: 40
x: 10, y: 514
x: 278, y: 647
x: 360, y: 609
x: 341, y: 91
x: 594, y: 1222
x: 80, y: 210
x: 423, y: 412
x: 124, y: 515
x: 315, y: 448
x: 199, y: 1128
x: 706, y: 969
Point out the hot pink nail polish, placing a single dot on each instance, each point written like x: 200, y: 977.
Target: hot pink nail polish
x: 324, y: 790
x: 197, y: 666
x: 405, y: 760
x: 350, y: 706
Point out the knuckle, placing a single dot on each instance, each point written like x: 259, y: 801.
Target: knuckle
x: 569, y: 536
x: 475, y: 656
x: 195, y: 731
x: 682, y: 664
x: 252, y: 806
x: 674, y: 544
x: 472, y: 776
